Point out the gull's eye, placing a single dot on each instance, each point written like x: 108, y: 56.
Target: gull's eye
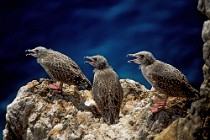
x: 36, y: 51
x: 95, y: 59
x: 141, y: 56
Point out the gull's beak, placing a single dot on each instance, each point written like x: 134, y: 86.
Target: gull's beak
x: 89, y: 59
x: 31, y: 52
x: 132, y: 55
x: 133, y: 60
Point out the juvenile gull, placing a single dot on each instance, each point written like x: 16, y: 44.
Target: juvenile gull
x: 164, y: 78
x: 107, y: 90
x: 60, y: 68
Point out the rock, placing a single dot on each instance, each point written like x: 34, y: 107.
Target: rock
x: 206, y: 31
x: 36, y: 114
x: 206, y: 55
x: 204, y: 7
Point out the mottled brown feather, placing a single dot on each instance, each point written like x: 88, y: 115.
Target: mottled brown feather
x: 168, y: 80
x: 163, y: 77
x: 108, y: 94
x: 62, y: 68
x: 107, y: 90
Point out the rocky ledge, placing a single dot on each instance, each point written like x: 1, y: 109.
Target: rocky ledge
x: 37, y: 114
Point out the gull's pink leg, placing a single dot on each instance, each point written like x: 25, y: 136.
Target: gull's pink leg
x: 57, y: 87
x: 159, y: 104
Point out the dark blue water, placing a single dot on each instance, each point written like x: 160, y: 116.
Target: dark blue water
x: 169, y: 29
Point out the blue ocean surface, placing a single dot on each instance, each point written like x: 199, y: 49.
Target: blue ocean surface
x: 171, y: 30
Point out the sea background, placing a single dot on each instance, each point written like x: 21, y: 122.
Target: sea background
x: 171, y: 30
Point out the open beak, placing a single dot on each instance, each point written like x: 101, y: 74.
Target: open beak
x: 133, y: 60
x: 31, y: 52
x: 89, y: 60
